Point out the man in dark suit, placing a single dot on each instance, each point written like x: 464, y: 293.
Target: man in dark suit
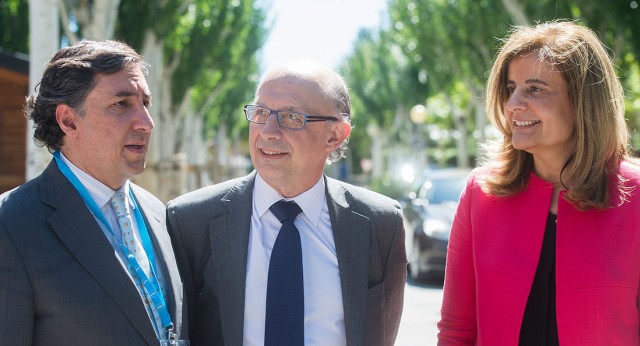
x: 76, y: 267
x: 351, y: 239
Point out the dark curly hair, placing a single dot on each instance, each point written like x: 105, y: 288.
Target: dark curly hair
x: 68, y: 78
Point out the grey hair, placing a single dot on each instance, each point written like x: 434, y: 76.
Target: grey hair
x: 332, y: 85
x: 338, y: 91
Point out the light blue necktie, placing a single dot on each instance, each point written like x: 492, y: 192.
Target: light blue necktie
x: 121, y: 208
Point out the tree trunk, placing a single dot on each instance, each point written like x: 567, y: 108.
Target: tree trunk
x: 103, y: 23
x: 514, y: 8
x: 153, y: 54
x: 96, y: 20
x: 44, y: 42
x: 377, y: 157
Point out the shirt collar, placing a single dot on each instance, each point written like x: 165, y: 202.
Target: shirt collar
x: 310, y: 201
x: 98, y: 191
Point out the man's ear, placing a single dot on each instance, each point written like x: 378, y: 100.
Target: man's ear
x: 67, y: 118
x: 339, y: 132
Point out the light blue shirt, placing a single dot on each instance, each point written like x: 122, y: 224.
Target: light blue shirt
x: 323, y: 310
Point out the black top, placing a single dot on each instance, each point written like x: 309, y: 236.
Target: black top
x: 539, y: 325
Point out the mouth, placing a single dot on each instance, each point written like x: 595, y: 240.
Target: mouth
x: 525, y: 123
x: 270, y: 153
x: 136, y: 148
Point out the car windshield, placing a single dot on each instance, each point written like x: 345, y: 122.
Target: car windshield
x: 443, y: 190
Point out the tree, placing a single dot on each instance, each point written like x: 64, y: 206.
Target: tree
x: 203, y: 64
x: 14, y: 25
x: 453, y: 43
x: 441, y: 37
x: 617, y: 24
x: 94, y: 20
x: 204, y: 54
x: 384, y: 85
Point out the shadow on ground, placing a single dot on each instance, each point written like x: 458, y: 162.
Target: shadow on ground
x: 434, y: 281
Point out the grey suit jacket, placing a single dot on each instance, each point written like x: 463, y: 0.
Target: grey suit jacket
x: 210, y: 230
x: 60, y: 280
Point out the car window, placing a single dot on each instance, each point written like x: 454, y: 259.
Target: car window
x: 443, y: 190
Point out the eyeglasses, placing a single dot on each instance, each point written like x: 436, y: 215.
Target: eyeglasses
x: 287, y: 119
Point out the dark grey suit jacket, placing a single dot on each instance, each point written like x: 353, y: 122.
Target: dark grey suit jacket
x: 60, y: 280
x: 210, y: 230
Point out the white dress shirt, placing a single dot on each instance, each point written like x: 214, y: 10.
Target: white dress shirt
x: 323, y: 310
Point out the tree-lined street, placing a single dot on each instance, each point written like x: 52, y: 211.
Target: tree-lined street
x: 427, y: 55
x: 205, y: 58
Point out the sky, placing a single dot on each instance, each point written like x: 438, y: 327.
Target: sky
x: 321, y: 30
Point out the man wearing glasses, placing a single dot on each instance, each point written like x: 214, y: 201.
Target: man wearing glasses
x: 287, y: 255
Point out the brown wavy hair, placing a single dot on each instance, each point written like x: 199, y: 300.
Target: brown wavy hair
x: 597, y: 98
x: 68, y: 78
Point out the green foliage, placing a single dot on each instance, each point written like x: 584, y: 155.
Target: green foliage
x: 236, y: 71
x: 617, y: 23
x: 14, y: 25
x: 213, y: 44
x: 452, y: 40
x: 209, y: 46
x: 230, y: 95
x: 135, y: 17
x: 382, y: 82
x: 203, y: 35
x: 451, y: 45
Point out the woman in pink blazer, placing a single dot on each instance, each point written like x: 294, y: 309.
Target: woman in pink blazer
x: 545, y: 245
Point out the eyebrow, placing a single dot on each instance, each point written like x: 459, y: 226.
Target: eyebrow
x: 126, y: 93
x: 530, y: 81
x: 535, y: 80
x: 286, y: 109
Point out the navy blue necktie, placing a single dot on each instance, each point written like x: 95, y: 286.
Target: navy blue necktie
x: 284, y: 324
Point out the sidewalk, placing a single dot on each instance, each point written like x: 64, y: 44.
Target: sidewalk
x: 420, y: 315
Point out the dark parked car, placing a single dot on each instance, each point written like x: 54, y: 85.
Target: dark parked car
x: 428, y: 215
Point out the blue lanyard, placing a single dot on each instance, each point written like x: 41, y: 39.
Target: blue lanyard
x: 151, y: 285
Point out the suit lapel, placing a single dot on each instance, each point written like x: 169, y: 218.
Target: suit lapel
x: 230, y: 241
x: 229, y: 244
x: 351, y: 233
x: 154, y: 218
x: 78, y: 230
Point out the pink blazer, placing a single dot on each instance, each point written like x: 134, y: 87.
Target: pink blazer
x: 493, y: 255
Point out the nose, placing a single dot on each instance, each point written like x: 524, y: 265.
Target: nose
x: 515, y: 102
x: 271, y: 130
x: 143, y: 121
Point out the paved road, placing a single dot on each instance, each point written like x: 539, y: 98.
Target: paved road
x: 420, y: 315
